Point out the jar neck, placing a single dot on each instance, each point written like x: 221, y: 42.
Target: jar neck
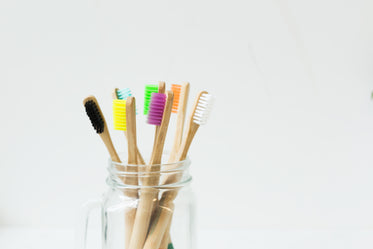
x: 161, y: 176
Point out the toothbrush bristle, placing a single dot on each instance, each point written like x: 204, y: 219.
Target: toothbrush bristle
x: 203, y: 109
x: 157, y: 104
x: 124, y: 93
x: 95, y: 116
x: 177, y: 90
x: 149, y: 89
x: 119, y: 114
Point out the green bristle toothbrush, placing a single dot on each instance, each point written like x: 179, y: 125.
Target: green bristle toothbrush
x: 149, y: 89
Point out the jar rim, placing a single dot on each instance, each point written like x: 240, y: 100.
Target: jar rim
x: 125, y: 163
x: 121, y: 185
x: 164, y: 167
x: 119, y: 171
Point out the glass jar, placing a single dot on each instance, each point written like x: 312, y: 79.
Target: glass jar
x: 168, y: 218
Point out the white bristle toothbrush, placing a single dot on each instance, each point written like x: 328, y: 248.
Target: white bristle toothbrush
x: 199, y: 116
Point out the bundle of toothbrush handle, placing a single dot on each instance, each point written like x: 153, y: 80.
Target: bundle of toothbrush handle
x: 142, y: 232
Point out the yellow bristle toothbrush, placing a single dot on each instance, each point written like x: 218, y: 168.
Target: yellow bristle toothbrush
x: 199, y: 116
x: 124, y: 113
x: 123, y: 94
x: 120, y: 114
x: 159, y: 114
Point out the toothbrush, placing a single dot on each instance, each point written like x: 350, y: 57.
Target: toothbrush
x: 181, y: 93
x: 133, y: 153
x: 124, y: 113
x: 199, y: 116
x: 94, y: 113
x: 180, y: 103
x: 131, y: 131
x: 123, y: 94
x: 149, y: 89
x: 159, y: 114
x: 161, y: 89
x: 120, y: 114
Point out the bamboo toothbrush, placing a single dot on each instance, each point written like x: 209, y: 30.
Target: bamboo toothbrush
x: 149, y: 89
x: 132, y: 161
x: 94, y: 113
x: 124, y: 114
x: 120, y: 114
x: 161, y: 89
x: 199, y: 115
x: 181, y: 93
x: 159, y: 114
x: 123, y: 94
x: 131, y: 131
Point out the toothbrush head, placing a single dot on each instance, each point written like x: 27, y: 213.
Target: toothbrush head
x: 177, y: 90
x: 94, y: 113
x: 203, y: 108
x: 119, y: 114
x: 124, y: 93
x: 149, y: 89
x: 157, y: 104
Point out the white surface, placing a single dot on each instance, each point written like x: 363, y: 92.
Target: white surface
x: 289, y: 144
x: 16, y: 238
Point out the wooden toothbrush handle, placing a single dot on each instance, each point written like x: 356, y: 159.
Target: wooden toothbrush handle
x: 167, y: 237
x: 143, y: 215
x: 151, y: 179
x: 169, y: 196
x: 156, y: 231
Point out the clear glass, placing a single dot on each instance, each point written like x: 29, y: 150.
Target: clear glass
x: 133, y: 196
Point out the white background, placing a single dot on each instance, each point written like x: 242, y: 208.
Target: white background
x: 289, y: 143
